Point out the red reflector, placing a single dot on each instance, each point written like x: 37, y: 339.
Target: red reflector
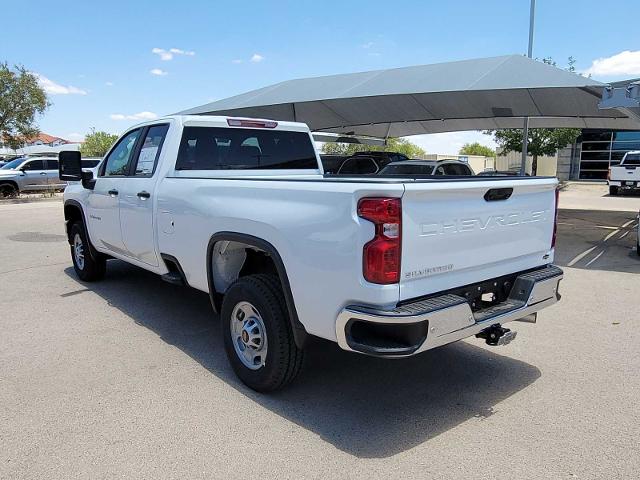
x: 555, y: 220
x: 381, y: 256
x: 242, y: 122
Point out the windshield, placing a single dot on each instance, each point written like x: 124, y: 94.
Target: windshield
x: 632, y: 159
x: 407, y: 169
x: 12, y: 164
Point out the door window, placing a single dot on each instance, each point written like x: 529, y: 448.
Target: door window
x: 117, y: 162
x: 150, y: 151
x: 52, y: 164
x: 34, y: 165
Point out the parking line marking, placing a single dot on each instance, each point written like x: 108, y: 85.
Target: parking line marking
x: 594, y: 259
x: 610, y: 235
x: 628, y: 223
x: 580, y: 256
x: 624, y: 234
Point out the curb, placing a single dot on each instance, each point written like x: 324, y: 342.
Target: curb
x: 15, y: 201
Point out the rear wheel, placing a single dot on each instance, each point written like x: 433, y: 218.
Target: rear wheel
x: 613, y: 190
x: 8, y: 190
x: 257, y: 333
x: 87, y: 266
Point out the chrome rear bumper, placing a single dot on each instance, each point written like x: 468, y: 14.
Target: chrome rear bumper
x: 425, y: 324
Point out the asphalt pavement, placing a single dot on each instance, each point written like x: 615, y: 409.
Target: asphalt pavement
x: 127, y: 378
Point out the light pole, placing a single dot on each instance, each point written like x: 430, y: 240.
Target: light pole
x: 525, y: 130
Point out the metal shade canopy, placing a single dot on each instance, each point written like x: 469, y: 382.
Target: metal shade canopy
x: 486, y: 93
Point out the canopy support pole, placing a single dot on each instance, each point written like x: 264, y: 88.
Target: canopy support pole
x: 525, y: 130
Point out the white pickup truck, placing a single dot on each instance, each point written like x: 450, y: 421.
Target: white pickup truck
x: 386, y: 266
x: 626, y: 175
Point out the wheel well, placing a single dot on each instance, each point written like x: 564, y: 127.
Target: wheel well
x: 72, y: 214
x: 9, y: 182
x: 231, y: 260
x: 231, y: 255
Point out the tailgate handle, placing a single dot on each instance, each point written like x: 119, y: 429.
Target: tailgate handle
x: 496, y: 194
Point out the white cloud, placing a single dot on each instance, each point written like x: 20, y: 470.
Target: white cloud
x: 167, y: 55
x: 157, y: 71
x: 367, y: 45
x: 54, y: 88
x: 236, y: 60
x: 256, y: 58
x: 623, y: 63
x: 135, y: 116
x: 109, y: 84
x: 450, y: 143
x: 75, y: 137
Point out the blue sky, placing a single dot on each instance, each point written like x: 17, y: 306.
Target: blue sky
x: 97, y: 60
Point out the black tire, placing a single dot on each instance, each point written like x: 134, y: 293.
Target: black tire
x: 92, y: 267
x: 283, y: 359
x: 613, y: 190
x: 638, y: 245
x: 8, y: 190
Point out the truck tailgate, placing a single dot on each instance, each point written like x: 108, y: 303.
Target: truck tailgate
x: 625, y: 173
x: 452, y: 236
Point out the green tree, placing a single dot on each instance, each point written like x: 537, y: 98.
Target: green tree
x: 21, y: 99
x: 97, y: 144
x: 399, y: 145
x: 476, y: 148
x: 542, y: 141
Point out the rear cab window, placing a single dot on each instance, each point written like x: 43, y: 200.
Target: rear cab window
x: 632, y: 159
x: 216, y: 148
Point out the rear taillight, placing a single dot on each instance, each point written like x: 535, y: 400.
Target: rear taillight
x: 381, y: 256
x: 555, y: 220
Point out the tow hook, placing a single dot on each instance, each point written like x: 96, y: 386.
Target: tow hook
x: 497, y: 335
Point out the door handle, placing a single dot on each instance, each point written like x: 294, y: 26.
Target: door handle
x: 113, y: 192
x: 143, y: 195
x: 43, y: 173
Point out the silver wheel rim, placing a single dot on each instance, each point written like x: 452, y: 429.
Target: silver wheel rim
x: 78, y: 251
x: 248, y: 335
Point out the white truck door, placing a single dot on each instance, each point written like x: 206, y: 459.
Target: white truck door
x: 103, y: 202
x: 136, y: 200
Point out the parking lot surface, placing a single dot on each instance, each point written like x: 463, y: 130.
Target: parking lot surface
x: 128, y: 377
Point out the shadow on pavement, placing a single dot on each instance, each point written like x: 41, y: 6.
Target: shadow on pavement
x: 597, y: 240
x: 364, y: 406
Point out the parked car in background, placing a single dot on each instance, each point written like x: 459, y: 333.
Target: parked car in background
x: 626, y: 175
x: 33, y: 174
x: 500, y: 173
x: 427, y: 167
x: 369, y: 162
x: 29, y: 175
x: 240, y: 209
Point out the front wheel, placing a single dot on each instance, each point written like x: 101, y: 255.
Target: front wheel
x: 86, y: 266
x: 257, y: 333
x: 8, y: 190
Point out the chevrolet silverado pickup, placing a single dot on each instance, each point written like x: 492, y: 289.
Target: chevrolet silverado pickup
x: 626, y: 175
x: 242, y: 210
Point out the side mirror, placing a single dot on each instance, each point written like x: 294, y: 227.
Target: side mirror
x: 70, y: 166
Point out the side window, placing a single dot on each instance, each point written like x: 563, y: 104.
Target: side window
x: 150, y: 151
x: 52, y: 164
x: 440, y: 170
x: 118, y: 160
x: 34, y: 165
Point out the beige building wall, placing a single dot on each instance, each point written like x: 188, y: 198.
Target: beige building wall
x: 477, y: 163
x: 547, y: 165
